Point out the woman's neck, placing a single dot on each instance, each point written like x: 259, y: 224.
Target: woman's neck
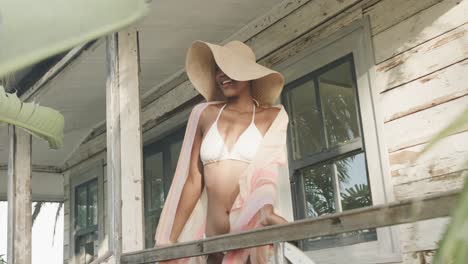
x: 240, y: 103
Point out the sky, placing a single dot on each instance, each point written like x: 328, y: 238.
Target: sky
x: 42, y: 249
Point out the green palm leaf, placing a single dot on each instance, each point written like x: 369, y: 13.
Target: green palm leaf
x: 34, y: 30
x: 454, y: 245
x: 453, y: 248
x: 43, y: 122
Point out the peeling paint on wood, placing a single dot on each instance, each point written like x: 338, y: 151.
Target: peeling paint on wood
x: 425, y: 59
x: 422, y: 235
x: 420, y: 127
x: 301, y: 21
x: 387, y: 13
x: 19, y: 197
x: 447, y: 157
x: 439, y: 87
x: 419, y: 28
x: 321, y: 32
x: 430, y: 186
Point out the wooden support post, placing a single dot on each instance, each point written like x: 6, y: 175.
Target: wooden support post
x: 124, y: 145
x: 19, y: 197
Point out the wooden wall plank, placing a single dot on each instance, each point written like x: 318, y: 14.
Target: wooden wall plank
x: 420, y: 127
x: 430, y: 186
x: 299, y: 22
x: 166, y: 103
x: 419, y: 28
x: 422, y: 235
x: 387, y: 13
x: 448, y: 156
x: 263, y: 22
x: 323, y: 31
x: 19, y: 197
x: 436, y: 88
x: 424, y: 59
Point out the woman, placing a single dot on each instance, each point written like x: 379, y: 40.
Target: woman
x: 227, y: 176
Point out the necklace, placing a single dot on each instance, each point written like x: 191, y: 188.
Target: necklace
x: 244, y: 112
x: 240, y: 112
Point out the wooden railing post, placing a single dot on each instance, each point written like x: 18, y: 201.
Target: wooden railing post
x: 124, y: 145
x: 19, y: 197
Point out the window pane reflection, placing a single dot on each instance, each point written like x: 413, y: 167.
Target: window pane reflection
x: 93, y: 205
x: 305, y: 120
x: 318, y: 190
x: 154, y: 175
x: 81, y: 207
x: 354, y: 185
x: 354, y: 192
x: 338, y: 104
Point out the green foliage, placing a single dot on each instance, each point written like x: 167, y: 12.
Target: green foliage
x: 36, y: 30
x: 43, y: 122
x: 356, y: 196
x: 453, y: 248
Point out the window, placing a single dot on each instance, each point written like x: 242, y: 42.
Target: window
x: 337, y: 157
x: 159, y: 162
x: 86, y: 220
x: 86, y: 209
x: 327, y: 148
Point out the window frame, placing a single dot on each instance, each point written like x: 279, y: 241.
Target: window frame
x: 356, y: 40
x: 80, y: 177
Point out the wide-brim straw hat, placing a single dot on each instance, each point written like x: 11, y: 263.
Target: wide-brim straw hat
x: 238, y: 62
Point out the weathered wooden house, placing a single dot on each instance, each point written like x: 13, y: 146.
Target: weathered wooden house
x: 369, y: 82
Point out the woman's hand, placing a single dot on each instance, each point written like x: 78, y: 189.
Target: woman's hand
x: 269, y: 217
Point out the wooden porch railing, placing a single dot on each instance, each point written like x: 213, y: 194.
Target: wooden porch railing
x: 394, y: 213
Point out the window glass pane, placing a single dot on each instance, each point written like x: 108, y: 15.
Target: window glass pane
x: 338, y: 104
x: 354, y: 185
x: 175, y: 151
x: 151, y: 222
x: 318, y: 190
x: 354, y: 193
x: 154, y: 178
x: 93, y: 203
x: 305, y: 120
x: 81, y: 207
x: 86, y: 247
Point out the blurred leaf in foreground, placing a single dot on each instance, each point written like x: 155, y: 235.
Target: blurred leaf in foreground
x: 34, y: 30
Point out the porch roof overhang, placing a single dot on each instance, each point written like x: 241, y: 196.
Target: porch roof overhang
x: 78, y: 88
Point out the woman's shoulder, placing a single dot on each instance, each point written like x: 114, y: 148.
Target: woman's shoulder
x: 208, y: 111
x: 271, y: 111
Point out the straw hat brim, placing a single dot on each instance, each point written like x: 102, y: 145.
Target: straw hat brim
x: 201, y: 61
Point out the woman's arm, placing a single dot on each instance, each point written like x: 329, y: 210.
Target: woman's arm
x: 192, y: 188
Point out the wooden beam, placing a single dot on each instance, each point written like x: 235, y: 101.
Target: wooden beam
x: 19, y: 197
x: 130, y: 143
x: 71, y: 57
x: 370, y: 217
x: 124, y: 144
x: 37, y: 168
x: 113, y: 148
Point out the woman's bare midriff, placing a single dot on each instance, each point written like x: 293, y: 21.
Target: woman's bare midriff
x: 222, y: 187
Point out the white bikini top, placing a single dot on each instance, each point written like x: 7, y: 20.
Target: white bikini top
x: 214, y: 149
